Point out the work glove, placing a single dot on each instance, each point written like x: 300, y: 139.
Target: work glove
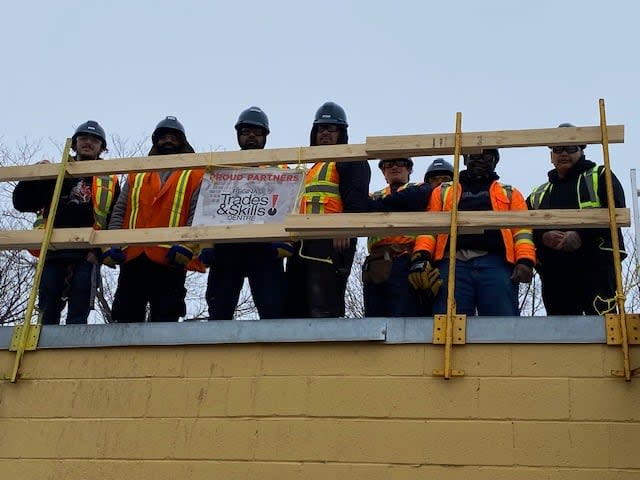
x: 571, y: 241
x: 522, y: 273
x: 553, y: 239
x: 113, y: 256
x: 207, y: 256
x: 423, y: 275
x: 179, y: 255
x: 282, y: 249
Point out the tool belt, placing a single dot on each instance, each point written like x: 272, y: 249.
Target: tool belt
x: 377, y: 266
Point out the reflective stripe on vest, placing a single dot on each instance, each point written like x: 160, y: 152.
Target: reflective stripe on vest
x: 536, y: 196
x: 102, y: 190
x: 321, y: 187
x: 176, y: 204
x: 178, y: 198
x: 586, y: 187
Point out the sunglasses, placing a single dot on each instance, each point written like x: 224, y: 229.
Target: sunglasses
x: 566, y: 148
x: 327, y: 128
x: 394, y: 163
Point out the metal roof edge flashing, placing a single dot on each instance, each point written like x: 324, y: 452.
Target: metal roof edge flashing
x: 480, y: 330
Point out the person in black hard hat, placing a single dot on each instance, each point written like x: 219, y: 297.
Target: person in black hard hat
x: 84, y: 202
x: 260, y: 263
x: 155, y: 275
x: 317, y: 274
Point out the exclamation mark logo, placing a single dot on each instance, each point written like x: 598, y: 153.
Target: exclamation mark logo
x: 273, y: 210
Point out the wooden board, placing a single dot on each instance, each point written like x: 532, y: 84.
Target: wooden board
x: 317, y: 226
x: 245, y: 158
x: 376, y: 147
x: 443, y: 143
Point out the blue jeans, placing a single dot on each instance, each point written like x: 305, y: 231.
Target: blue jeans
x: 77, y: 274
x: 395, y: 297
x: 483, y: 287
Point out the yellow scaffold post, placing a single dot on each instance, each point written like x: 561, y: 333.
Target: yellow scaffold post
x: 450, y: 321
x: 25, y: 336
x: 620, y: 319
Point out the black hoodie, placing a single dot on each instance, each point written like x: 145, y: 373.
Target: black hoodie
x: 596, y: 242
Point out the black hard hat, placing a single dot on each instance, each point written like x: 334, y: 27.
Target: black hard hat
x: 570, y: 125
x: 331, y: 113
x: 169, y: 123
x: 439, y: 165
x: 253, y: 116
x: 494, y: 151
x: 408, y: 159
x: 90, y: 127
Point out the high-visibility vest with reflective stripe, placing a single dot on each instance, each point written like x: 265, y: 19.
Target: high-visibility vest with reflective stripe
x: 586, y: 190
x: 152, y: 204
x: 373, y: 242
x: 518, y: 242
x: 102, y: 192
x: 321, y: 190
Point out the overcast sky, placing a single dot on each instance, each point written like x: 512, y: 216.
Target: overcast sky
x: 396, y: 67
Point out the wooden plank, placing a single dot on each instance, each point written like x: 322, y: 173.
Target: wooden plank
x: 89, y: 238
x: 29, y: 172
x: 317, y: 226
x: 442, y: 143
x: 376, y: 147
x: 366, y: 224
x: 243, y: 158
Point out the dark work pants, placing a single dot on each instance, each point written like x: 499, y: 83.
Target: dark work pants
x: 579, y: 288
x: 143, y: 282
x: 77, y: 273
x: 235, y: 262
x: 316, y: 289
x: 395, y: 297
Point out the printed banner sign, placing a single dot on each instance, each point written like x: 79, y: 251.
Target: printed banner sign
x: 233, y: 196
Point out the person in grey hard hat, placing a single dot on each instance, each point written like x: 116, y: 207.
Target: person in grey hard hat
x: 576, y: 265
x: 153, y: 276
x: 260, y: 263
x: 84, y: 202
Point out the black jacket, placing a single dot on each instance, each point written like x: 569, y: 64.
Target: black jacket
x: 354, y: 185
x: 75, y: 208
x: 413, y: 198
x: 562, y: 194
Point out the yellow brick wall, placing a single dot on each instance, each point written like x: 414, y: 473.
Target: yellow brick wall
x: 320, y: 411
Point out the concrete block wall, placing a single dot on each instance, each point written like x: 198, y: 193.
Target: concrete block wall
x: 320, y: 411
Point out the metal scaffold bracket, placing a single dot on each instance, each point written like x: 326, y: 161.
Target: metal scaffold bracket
x: 459, y: 329
x: 614, y: 328
x: 33, y: 335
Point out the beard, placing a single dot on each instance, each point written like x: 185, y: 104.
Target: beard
x: 168, y: 149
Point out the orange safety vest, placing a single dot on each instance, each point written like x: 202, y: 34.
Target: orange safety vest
x: 102, y: 192
x: 518, y: 242
x: 373, y: 242
x: 321, y: 190
x: 152, y: 204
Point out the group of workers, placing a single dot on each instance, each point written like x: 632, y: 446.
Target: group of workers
x: 402, y: 276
